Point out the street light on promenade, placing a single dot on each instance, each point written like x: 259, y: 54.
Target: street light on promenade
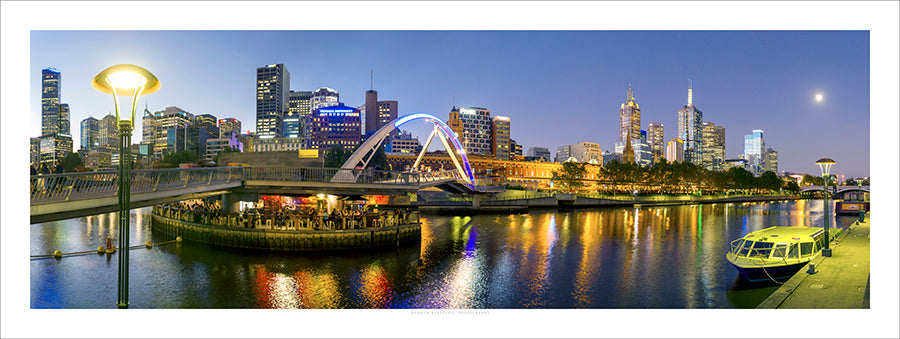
x: 126, y: 80
x: 825, y: 166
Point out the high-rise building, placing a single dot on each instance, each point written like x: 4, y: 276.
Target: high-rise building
x: 541, y: 152
x: 387, y: 112
x: 35, y: 156
x: 272, y: 88
x: 299, y: 108
x: 404, y: 142
x: 228, y: 126
x: 713, y: 146
x: 656, y: 140
x: 582, y: 152
x: 500, y: 143
x: 370, y: 110
x: 629, y: 119
x: 643, y: 155
x: 50, y: 95
x: 754, y: 151
x: 108, y: 133
x: 160, y: 123
x: 62, y: 123
x: 473, y: 128
x: 208, y: 121
x: 324, y: 97
x: 55, y: 147
x: 690, y: 130
x: 334, y: 126
x: 675, y: 150
x: 515, y: 150
x: 771, y: 160
x: 90, y: 133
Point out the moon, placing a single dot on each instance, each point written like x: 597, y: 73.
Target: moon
x: 819, y: 97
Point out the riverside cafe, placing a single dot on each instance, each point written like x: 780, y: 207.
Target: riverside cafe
x: 323, y: 204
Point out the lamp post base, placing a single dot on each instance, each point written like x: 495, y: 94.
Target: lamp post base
x: 121, y: 305
x: 826, y: 252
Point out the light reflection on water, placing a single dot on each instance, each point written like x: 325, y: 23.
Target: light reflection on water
x: 650, y: 257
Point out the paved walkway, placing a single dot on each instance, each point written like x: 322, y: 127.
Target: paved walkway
x: 842, y: 281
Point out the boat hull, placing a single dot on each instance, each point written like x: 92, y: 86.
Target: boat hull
x: 759, y: 273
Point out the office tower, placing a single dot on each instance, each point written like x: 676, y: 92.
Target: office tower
x: 500, y: 143
x: 387, y: 112
x: 629, y: 119
x: 656, y: 140
x: 473, y: 128
x: 404, y: 142
x: 334, y: 126
x: 642, y: 153
x: 299, y: 108
x: 541, y: 152
x: 208, y: 121
x: 228, y: 126
x: 675, y: 150
x: 324, y: 97
x: 35, y: 154
x: 370, y: 110
x: 108, y: 133
x: 754, y: 148
x: 50, y: 94
x: 771, y: 160
x: 55, y: 147
x: 90, y: 133
x: 713, y: 146
x: 582, y: 152
x: 62, y: 121
x: 515, y: 150
x: 163, y: 121
x: 272, y: 88
x: 690, y: 130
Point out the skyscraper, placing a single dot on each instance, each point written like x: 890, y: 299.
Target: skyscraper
x: 387, y: 112
x: 713, y: 146
x: 629, y: 119
x: 370, y: 110
x: 324, y: 97
x: 675, y: 150
x: 108, y: 133
x: 500, y: 144
x: 50, y: 94
x: 90, y: 133
x: 656, y: 140
x: 334, y: 126
x: 228, y: 126
x: 771, y: 160
x: 754, y: 146
x: 62, y: 120
x: 272, y: 88
x: 473, y: 128
x: 163, y: 121
x: 299, y: 108
x: 690, y: 130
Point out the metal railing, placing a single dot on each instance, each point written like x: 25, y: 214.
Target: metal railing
x: 314, y: 174
x: 88, y: 185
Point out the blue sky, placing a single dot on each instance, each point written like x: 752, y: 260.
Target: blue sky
x: 558, y: 87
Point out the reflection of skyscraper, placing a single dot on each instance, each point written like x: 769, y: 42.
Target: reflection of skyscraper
x: 690, y: 120
x: 50, y: 94
x: 272, y: 88
x: 754, y: 146
x: 629, y: 119
x: 713, y: 146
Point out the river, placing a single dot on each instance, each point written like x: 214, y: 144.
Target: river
x: 648, y: 257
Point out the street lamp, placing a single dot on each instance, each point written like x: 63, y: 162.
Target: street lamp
x: 126, y: 80
x: 825, y: 166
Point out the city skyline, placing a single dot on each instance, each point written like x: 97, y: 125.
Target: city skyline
x: 738, y: 90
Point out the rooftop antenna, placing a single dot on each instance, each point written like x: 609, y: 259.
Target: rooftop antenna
x: 690, y: 92
x: 630, y: 94
x: 372, y: 79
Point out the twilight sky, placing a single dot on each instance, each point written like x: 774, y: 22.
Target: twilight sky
x: 558, y: 87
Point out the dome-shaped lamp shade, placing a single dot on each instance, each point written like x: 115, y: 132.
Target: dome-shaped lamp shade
x: 825, y: 165
x: 127, y: 79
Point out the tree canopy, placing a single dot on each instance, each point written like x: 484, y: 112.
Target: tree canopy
x: 571, y: 176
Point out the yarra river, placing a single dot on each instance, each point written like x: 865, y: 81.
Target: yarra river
x: 649, y: 257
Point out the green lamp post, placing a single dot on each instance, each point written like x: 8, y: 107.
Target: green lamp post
x: 825, y: 166
x: 126, y: 80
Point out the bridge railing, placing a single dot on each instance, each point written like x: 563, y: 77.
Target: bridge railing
x: 87, y: 185
x: 313, y: 174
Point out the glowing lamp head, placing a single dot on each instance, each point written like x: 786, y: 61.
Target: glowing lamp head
x: 125, y: 80
x: 320, y: 196
x: 825, y: 165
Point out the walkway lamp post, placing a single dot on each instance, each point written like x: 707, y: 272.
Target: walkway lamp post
x: 125, y: 80
x: 825, y: 166
x: 861, y: 198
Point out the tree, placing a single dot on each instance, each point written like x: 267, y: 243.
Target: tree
x: 770, y: 181
x: 334, y: 157
x: 71, y: 161
x: 173, y: 160
x: 809, y: 180
x: 571, y: 175
x: 791, y: 186
x: 378, y: 161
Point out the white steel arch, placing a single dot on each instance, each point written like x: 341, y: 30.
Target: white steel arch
x: 365, y: 152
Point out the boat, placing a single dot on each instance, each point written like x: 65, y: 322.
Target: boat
x: 853, y: 203
x: 778, y: 252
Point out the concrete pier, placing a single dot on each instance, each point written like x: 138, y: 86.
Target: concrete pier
x: 841, y: 281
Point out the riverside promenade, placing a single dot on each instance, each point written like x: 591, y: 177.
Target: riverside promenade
x: 841, y: 281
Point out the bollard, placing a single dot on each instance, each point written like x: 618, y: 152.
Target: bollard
x: 178, y: 239
x: 57, y: 254
x: 812, y: 269
x: 108, y: 242
x: 101, y: 250
x: 149, y: 244
x: 111, y: 250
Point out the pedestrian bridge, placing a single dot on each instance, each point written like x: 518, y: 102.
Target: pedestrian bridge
x: 64, y: 196
x: 836, y: 189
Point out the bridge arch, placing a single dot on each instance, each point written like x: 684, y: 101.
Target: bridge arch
x: 367, y: 150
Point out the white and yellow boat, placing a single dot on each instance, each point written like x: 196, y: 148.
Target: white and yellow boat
x: 777, y: 253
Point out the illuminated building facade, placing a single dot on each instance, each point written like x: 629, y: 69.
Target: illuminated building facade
x: 50, y: 95
x: 582, y: 152
x: 629, y: 119
x: 656, y: 140
x: 90, y: 133
x: 160, y: 123
x: 690, y: 131
x: 500, y: 143
x: 473, y: 127
x: 324, y: 97
x: 299, y: 107
x: 403, y: 143
x: 713, y: 146
x: 754, y: 148
x: 272, y: 88
x: 540, y: 152
x: 228, y: 126
x: 771, y: 160
x: 334, y: 126
x: 675, y: 150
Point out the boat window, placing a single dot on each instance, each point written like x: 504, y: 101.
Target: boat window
x: 794, y: 251
x: 820, y: 243
x: 745, y: 248
x: 761, y: 249
x: 806, y: 249
x: 779, y: 251
x: 736, y: 245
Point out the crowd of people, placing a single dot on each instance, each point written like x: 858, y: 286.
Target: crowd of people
x: 291, y: 218
x: 44, y: 186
